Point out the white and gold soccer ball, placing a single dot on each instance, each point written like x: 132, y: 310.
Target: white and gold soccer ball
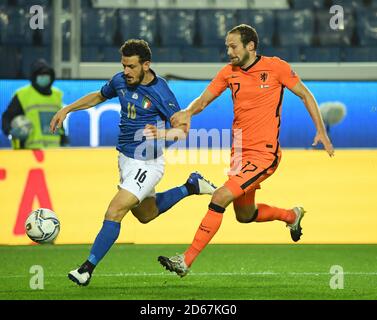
x: 42, y: 225
x: 21, y: 127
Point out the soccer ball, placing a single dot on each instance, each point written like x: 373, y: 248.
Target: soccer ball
x: 21, y: 127
x: 333, y: 112
x: 42, y: 226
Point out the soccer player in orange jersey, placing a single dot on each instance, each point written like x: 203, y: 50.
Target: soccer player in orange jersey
x: 257, y: 84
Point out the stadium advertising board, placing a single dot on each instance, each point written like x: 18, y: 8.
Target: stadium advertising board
x: 99, y: 126
x: 78, y: 184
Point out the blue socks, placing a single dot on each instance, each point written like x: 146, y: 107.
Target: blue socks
x: 110, y: 229
x: 105, y: 239
x: 165, y: 200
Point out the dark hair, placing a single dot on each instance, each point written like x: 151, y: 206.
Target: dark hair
x: 247, y: 33
x: 136, y: 47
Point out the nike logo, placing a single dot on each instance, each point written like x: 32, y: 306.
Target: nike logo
x: 232, y: 76
x: 138, y: 185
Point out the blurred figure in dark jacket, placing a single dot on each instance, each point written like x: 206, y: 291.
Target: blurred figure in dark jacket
x: 27, y: 118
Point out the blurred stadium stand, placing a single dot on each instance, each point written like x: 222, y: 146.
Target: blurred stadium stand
x: 194, y: 31
x: 177, y: 27
x: 213, y: 26
x: 295, y: 27
x: 327, y: 37
x: 262, y: 20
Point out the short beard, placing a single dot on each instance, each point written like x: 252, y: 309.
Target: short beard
x: 141, y: 78
x: 244, y: 60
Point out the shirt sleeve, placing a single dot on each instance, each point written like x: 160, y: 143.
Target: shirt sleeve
x: 14, y: 109
x: 286, y: 75
x: 169, y: 104
x: 108, y: 91
x: 219, y: 83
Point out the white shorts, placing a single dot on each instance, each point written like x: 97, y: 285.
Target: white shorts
x: 140, y: 177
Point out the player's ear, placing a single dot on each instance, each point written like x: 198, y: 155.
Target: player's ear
x: 146, y: 65
x: 250, y: 46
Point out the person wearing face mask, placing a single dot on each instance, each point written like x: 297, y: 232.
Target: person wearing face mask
x: 38, y: 102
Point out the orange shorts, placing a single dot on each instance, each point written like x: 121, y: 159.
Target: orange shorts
x: 247, y: 175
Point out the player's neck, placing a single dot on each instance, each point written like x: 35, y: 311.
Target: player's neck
x: 148, y: 78
x: 250, y: 61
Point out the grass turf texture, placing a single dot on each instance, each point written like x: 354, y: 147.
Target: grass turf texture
x: 227, y: 272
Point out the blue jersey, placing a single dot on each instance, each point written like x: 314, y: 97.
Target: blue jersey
x: 153, y: 103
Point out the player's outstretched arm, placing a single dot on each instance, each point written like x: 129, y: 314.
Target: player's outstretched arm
x: 311, y: 105
x: 86, y: 102
x: 183, y: 118
x: 172, y: 134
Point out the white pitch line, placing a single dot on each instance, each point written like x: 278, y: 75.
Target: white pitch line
x: 267, y: 273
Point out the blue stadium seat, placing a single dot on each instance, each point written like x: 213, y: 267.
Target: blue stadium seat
x: 295, y: 27
x: 203, y: 54
x: 111, y: 54
x: 177, y: 27
x: 30, y: 54
x: 213, y: 26
x: 349, y: 4
x: 44, y: 36
x: 98, y: 27
x: 10, y: 63
x: 321, y: 54
x: 172, y: 54
x: 338, y: 37
x: 262, y: 20
x: 26, y: 4
x: 84, y: 4
x: 17, y: 30
x: 309, y: 4
x: 366, y: 54
x: 3, y: 23
x: 91, y: 54
x: 138, y: 24
x: 366, y: 27
x: 289, y: 54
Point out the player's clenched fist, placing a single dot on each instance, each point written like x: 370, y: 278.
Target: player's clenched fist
x: 57, y: 120
x: 150, y: 132
x: 181, y: 118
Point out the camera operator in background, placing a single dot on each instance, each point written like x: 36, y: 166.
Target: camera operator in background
x: 27, y: 118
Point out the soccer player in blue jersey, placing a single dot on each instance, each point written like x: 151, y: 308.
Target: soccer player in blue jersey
x: 146, y: 103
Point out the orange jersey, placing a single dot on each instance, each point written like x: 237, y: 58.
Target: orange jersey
x: 257, y: 94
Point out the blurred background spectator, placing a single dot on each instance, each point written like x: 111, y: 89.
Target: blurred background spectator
x: 27, y: 118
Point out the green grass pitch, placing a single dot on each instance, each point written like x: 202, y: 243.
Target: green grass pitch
x: 223, y: 272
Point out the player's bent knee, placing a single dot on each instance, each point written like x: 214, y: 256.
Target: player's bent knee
x: 245, y: 216
x: 115, y: 215
x: 222, y: 197
x: 245, y: 219
x: 144, y: 220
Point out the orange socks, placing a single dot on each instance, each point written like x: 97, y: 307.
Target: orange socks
x: 212, y: 221
x: 207, y: 229
x: 267, y: 213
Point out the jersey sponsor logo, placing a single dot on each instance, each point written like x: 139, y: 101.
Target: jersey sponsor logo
x: 264, y: 76
x: 146, y: 103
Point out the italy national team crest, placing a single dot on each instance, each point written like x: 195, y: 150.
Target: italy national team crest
x: 146, y: 103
